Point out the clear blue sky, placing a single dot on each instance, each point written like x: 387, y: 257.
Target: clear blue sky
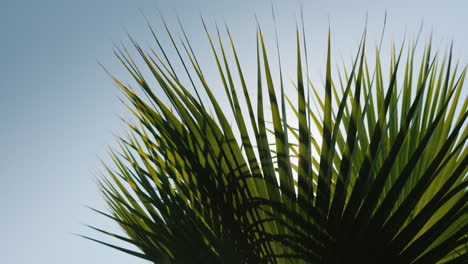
x: 59, y: 110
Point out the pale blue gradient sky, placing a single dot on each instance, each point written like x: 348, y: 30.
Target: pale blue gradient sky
x: 58, y: 109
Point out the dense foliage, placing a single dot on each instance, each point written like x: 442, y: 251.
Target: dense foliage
x: 376, y: 173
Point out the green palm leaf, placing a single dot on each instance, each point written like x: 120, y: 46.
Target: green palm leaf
x: 388, y: 183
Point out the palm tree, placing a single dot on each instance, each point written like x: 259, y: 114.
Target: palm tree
x: 382, y: 180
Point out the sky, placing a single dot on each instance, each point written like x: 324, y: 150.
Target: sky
x: 59, y: 111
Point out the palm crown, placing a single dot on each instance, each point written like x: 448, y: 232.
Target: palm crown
x: 377, y: 174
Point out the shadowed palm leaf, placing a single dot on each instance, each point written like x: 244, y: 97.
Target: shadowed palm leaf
x: 376, y: 175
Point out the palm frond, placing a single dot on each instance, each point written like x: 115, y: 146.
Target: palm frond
x: 388, y: 184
